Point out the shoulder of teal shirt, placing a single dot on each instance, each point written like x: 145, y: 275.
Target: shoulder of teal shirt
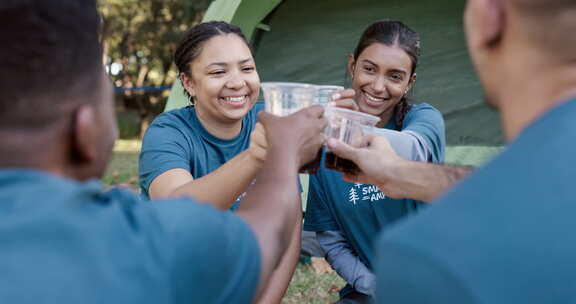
x: 200, y: 239
x: 167, y: 136
x: 424, y: 245
x: 165, y: 144
x: 216, y: 257
x: 173, y: 245
x: 428, y: 122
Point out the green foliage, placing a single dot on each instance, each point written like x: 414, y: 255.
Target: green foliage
x: 140, y: 37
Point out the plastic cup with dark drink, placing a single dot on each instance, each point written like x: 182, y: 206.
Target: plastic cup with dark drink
x: 349, y: 127
x: 324, y: 94
x: 285, y: 98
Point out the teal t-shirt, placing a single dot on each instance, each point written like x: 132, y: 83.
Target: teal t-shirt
x: 360, y: 211
x: 503, y: 235
x: 68, y: 242
x: 177, y: 140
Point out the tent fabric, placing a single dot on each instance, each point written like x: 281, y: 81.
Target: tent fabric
x: 309, y: 41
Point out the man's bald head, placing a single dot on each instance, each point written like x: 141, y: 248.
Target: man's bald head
x: 525, y: 55
x: 50, y: 59
x: 549, y: 25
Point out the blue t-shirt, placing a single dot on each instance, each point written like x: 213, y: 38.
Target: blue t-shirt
x: 178, y: 140
x: 503, y: 235
x: 360, y: 211
x: 68, y: 242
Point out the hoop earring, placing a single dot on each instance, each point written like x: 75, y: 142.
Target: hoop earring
x: 191, y: 99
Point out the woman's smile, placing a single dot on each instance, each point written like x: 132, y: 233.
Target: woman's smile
x: 236, y: 101
x: 373, y: 100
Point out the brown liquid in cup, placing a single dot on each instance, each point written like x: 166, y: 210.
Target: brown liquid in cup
x: 334, y: 162
x: 313, y: 166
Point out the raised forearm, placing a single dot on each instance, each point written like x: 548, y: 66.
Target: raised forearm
x: 421, y: 181
x: 273, y: 221
x: 223, y: 186
x: 283, y: 274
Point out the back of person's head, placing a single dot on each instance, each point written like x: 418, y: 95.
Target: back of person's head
x: 52, y: 84
x: 50, y: 58
x: 550, y: 25
x: 524, y: 55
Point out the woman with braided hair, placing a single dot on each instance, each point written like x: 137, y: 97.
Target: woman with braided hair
x: 212, y: 149
x: 347, y: 216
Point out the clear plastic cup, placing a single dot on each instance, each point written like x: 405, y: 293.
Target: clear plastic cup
x: 285, y: 98
x: 349, y: 127
x: 324, y: 94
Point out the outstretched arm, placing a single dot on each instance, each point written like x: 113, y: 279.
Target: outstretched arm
x: 395, y: 176
x: 283, y: 274
x: 236, y: 174
x: 293, y: 141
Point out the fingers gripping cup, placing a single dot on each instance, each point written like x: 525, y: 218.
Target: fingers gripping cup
x: 324, y: 94
x: 349, y: 127
x: 285, y: 98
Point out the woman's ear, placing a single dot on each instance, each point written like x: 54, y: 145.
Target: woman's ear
x: 411, y: 83
x: 351, y: 66
x: 188, y: 84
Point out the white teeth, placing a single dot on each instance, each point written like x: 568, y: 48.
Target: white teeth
x: 371, y: 98
x: 235, y: 99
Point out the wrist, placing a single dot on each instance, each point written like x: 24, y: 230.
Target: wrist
x: 395, y: 171
x: 283, y: 159
x: 253, y: 157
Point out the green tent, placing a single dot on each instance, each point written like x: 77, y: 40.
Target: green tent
x: 308, y: 41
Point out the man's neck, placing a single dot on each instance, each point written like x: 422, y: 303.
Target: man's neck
x: 32, y: 150
x: 532, y: 93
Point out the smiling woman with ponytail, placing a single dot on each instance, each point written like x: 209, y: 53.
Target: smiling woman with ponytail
x: 347, y: 216
x: 212, y: 149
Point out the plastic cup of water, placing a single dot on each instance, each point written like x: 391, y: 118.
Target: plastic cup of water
x: 324, y: 94
x: 285, y: 98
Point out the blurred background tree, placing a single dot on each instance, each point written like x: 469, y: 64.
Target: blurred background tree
x: 140, y: 37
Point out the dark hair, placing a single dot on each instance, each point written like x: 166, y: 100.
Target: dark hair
x: 392, y: 33
x: 50, y: 57
x: 191, y: 45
